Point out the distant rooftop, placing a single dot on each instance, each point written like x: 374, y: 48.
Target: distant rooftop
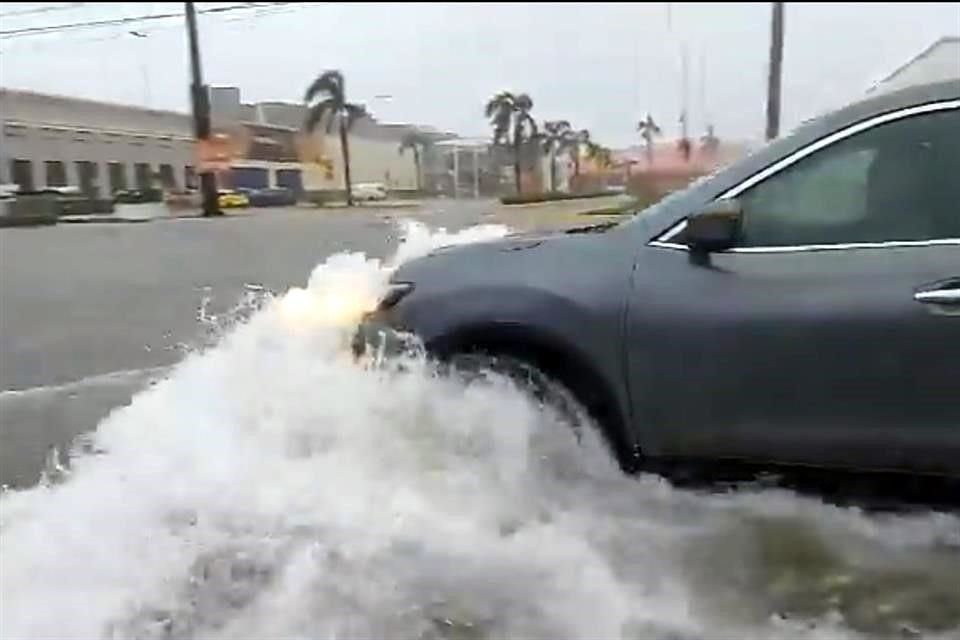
x: 227, y: 106
x: 939, y: 61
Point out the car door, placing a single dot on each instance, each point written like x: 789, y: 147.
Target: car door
x: 831, y: 333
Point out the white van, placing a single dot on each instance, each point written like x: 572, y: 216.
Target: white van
x: 369, y: 192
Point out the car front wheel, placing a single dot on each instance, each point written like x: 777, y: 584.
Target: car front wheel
x: 542, y: 388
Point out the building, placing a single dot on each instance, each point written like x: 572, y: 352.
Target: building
x: 939, y: 61
x: 48, y: 140
x: 271, y: 131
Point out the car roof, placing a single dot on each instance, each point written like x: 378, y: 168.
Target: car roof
x: 880, y: 103
x: 665, y: 214
x: 825, y: 124
x: 814, y: 129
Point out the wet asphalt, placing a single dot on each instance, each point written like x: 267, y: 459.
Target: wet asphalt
x: 90, y: 312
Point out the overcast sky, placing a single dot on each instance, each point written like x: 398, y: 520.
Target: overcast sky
x: 600, y: 66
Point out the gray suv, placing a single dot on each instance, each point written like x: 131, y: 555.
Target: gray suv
x: 799, y: 307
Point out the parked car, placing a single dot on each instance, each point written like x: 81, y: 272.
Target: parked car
x: 272, y: 197
x: 369, y: 192
x: 9, y: 191
x: 188, y: 199
x: 799, y: 307
x: 229, y: 199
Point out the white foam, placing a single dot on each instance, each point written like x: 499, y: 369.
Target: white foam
x: 272, y: 487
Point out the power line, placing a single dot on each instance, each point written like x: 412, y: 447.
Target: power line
x: 261, y: 10
x: 84, y: 25
x: 92, y: 24
x: 47, y: 9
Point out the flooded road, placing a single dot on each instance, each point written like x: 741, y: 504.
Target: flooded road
x: 263, y: 484
x: 89, y: 312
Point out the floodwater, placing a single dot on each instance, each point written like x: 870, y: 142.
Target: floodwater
x: 269, y: 486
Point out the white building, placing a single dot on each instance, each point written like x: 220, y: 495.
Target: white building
x: 50, y: 140
x: 374, y: 147
x: 939, y: 61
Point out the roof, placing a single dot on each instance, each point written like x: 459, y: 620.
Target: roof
x: 55, y: 97
x: 57, y: 110
x: 804, y: 135
x: 938, y: 61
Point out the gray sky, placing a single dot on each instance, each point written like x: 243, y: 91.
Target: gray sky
x: 600, y: 66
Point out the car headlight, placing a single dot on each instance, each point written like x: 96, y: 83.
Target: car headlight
x: 395, y: 292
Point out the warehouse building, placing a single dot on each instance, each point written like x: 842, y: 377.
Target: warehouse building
x: 55, y: 141
x: 272, y: 131
x: 58, y: 141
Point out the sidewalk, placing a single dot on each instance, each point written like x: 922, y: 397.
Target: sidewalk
x: 123, y: 213
x: 561, y: 214
x: 540, y: 215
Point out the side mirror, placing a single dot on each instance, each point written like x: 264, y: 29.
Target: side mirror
x: 715, y: 228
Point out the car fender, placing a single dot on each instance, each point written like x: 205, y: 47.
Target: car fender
x: 531, y: 318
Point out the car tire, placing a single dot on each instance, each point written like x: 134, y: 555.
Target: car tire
x: 542, y: 388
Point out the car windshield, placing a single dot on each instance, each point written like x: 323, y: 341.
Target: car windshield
x: 369, y: 320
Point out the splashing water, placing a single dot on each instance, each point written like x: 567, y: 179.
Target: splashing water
x: 270, y: 486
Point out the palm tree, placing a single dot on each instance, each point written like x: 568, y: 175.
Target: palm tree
x: 557, y: 135
x: 601, y: 155
x: 327, y: 103
x: 575, y: 145
x: 416, y: 141
x: 710, y: 142
x: 512, y: 124
x: 648, y: 129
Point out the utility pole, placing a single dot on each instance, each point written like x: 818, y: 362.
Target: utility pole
x: 476, y: 172
x: 456, y: 172
x: 684, y: 83
x: 200, y: 100
x: 775, y: 71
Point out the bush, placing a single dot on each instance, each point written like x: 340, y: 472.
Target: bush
x: 531, y: 198
x: 138, y: 196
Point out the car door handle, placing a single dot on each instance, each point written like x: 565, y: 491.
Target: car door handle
x: 938, y: 296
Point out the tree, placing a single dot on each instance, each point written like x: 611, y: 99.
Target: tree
x: 327, y: 106
x: 709, y: 142
x: 416, y: 141
x: 512, y: 124
x: 648, y: 130
x: 575, y: 145
x: 601, y: 155
x: 557, y: 135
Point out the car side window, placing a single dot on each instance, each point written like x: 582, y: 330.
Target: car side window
x: 894, y: 182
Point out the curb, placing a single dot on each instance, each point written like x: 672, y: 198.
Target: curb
x: 12, y: 222
x: 106, y: 219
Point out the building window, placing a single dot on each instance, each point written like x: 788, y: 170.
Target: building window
x: 167, y: 178
x: 249, y: 178
x: 21, y: 172
x: 56, y: 173
x: 118, y: 176
x: 141, y: 172
x: 291, y: 179
x: 87, y: 178
x: 189, y: 177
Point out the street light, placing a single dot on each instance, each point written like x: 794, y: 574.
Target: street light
x: 143, y: 68
x: 381, y: 97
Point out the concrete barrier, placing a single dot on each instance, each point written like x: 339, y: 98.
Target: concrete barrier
x: 28, y: 210
x: 145, y: 211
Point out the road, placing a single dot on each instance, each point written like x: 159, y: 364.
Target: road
x: 88, y: 311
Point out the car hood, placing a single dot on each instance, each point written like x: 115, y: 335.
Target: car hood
x: 524, y: 240
x: 527, y: 252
